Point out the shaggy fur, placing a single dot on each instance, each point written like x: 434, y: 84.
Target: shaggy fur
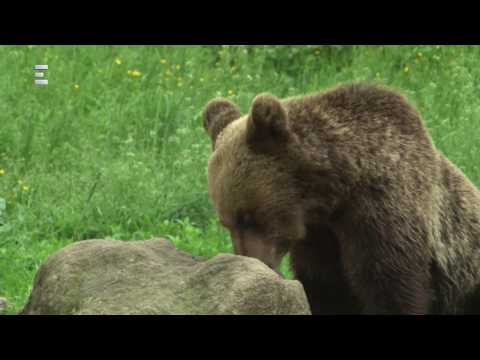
x: 376, y: 219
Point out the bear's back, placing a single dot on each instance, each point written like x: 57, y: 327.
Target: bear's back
x: 366, y: 130
x: 364, y: 108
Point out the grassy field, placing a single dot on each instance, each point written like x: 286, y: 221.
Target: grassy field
x: 114, y: 147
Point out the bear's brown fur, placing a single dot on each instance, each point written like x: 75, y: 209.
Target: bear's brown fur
x: 375, y: 218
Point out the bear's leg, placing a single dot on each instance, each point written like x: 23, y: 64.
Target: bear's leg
x: 316, y: 263
x: 388, y: 268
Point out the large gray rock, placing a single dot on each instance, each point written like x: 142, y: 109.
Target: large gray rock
x: 3, y: 305
x: 153, y: 277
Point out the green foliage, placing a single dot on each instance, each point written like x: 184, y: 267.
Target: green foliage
x: 113, y: 147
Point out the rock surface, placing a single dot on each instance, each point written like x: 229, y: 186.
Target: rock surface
x: 153, y: 277
x: 3, y: 305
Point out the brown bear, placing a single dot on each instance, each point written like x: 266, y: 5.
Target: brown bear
x: 347, y: 181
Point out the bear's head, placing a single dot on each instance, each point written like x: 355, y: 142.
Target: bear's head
x: 252, y: 177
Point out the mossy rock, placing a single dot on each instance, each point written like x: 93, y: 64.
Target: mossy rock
x: 153, y: 277
x: 3, y: 305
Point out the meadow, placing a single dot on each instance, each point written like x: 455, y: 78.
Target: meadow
x: 114, y: 146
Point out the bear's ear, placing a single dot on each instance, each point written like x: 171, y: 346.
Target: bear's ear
x: 267, y: 124
x: 217, y: 115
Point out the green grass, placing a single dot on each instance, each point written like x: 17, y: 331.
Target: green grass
x: 125, y: 157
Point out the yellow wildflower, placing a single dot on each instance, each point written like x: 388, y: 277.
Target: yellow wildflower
x: 2, y: 172
x: 118, y: 61
x: 231, y: 92
x: 76, y: 87
x: 419, y: 55
x: 406, y: 69
x: 177, y: 67
x: 163, y: 61
x: 134, y: 73
x: 25, y: 188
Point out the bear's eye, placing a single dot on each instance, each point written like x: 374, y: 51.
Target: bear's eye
x: 245, y: 220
